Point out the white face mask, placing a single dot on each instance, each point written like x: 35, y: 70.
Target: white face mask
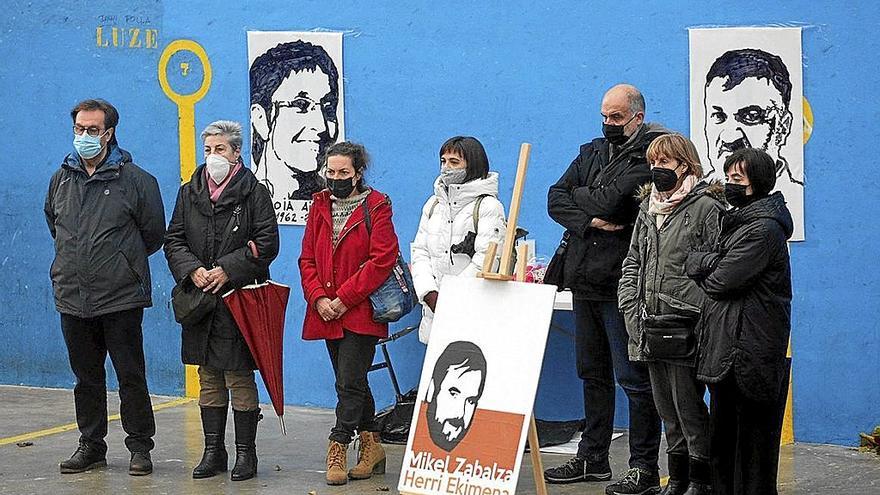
x: 218, y: 167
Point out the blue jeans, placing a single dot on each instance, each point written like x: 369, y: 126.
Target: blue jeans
x: 601, y: 341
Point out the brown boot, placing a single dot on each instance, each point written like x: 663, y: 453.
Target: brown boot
x: 371, y: 457
x: 336, y: 464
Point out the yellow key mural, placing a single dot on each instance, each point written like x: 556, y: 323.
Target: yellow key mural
x: 186, y: 128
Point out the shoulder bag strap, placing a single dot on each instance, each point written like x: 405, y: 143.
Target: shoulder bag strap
x: 231, y: 226
x: 476, y: 213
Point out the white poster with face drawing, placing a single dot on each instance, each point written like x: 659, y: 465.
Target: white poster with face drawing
x: 747, y: 91
x: 477, y: 388
x: 296, y: 112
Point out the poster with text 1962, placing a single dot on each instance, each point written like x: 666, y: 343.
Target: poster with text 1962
x: 477, y: 387
x: 747, y: 92
x: 296, y: 112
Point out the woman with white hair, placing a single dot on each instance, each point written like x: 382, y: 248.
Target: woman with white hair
x: 223, y: 235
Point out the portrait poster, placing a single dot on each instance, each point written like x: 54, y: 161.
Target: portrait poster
x: 296, y: 112
x: 746, y: 90
x: 477, y: 387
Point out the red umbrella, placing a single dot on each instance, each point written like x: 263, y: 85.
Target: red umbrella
x: 259, y: 312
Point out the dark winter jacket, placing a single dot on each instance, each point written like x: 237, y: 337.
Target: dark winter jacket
x: 746, y: 319
x: 194, y: 237
x: 599, y: 184
x: 654, y: 281
x: 105, y: 226
x: 351, y: 270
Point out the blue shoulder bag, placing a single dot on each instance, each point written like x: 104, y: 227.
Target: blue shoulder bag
x: 396, y: 297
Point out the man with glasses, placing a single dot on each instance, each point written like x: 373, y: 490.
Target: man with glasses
x: 106, y: 217
x: 595, y: 200
x: 294, y: 97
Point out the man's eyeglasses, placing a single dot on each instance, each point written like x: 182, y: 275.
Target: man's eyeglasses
x: 92, y: 131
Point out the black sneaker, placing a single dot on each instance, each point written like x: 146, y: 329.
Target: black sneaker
x: 578, y: 469
x: 84, y: 459
x: 636, y: 481
x: 140, y: 464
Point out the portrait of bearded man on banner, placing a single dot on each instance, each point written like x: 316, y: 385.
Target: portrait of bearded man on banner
x: 456, y: 386
x: 747, y: 102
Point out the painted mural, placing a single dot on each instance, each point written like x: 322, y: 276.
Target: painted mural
x: 296, y: 112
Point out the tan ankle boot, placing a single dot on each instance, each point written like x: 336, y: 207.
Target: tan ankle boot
x: 336, y: 464
x: 371, y: 457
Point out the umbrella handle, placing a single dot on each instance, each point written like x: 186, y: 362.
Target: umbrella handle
x: 283, y: 429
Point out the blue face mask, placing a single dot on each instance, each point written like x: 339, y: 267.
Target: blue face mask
x: 87, y: 146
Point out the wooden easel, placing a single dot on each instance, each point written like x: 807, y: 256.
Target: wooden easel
x: 505, y: 274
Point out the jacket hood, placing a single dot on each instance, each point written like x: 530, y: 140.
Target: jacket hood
x: 654, y: 129
x: 714, y: 188
x: 115, y: 158
x: 469, y: 191
x: 772, y: 207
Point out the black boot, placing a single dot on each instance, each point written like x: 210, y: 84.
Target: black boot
x: 245, y: 444
x: 678, y: 475
x: 215, y: 460
x: 701, y: 478
x: 84, y: 459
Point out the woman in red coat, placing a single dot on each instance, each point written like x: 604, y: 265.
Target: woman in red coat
x: 342, y: 262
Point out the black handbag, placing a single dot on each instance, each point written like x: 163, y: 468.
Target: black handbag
x: 554, y: 275
x: 670, y: 336
x: 396, y: 297
x: 191, y: 304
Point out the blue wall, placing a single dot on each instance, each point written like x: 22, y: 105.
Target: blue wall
x: 417, y: 73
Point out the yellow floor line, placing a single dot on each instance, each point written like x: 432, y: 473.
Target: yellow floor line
x: 72, y: 426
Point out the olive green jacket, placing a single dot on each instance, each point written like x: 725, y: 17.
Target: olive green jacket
x: 654, y: 281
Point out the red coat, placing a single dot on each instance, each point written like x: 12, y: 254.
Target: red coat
x: 352, y: 271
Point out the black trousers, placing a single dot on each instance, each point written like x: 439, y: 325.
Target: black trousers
x: 352, y: 356
x: 745, y: 438
x: 601, y: 341
x: 89, y: 340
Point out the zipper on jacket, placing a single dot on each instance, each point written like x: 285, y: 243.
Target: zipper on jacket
x: 137, y: 277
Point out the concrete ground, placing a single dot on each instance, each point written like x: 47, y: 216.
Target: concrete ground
x: 295, y: 463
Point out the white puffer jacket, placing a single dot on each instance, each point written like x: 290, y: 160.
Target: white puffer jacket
x: 448, y: 224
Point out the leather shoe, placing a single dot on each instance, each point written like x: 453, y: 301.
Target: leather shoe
x: 140, y: 464
x: 84, y: 459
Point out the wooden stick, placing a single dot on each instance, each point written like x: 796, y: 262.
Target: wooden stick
x: 535, y: 452
x: 524, y: 150
x: 489, y: 260
x: 534, y: 445
x: 521, y: 262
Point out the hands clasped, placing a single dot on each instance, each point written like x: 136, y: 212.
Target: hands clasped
x: 209, y: 280
x: 330, y: 310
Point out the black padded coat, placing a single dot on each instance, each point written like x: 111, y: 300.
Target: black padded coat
x: 746, y: 319
x: 193, y: 239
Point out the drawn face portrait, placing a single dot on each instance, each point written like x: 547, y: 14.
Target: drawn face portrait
x: 746, y: 105
x: 294, y: 98
x: 299, y: 130
x: 455, y: 389
x: 299, y: 126
x: 451, y: 412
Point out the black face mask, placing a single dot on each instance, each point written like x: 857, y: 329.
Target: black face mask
x: 340, y: 188
x: 664, y: 179
x: 736, y: 195
x: 614, y: 133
